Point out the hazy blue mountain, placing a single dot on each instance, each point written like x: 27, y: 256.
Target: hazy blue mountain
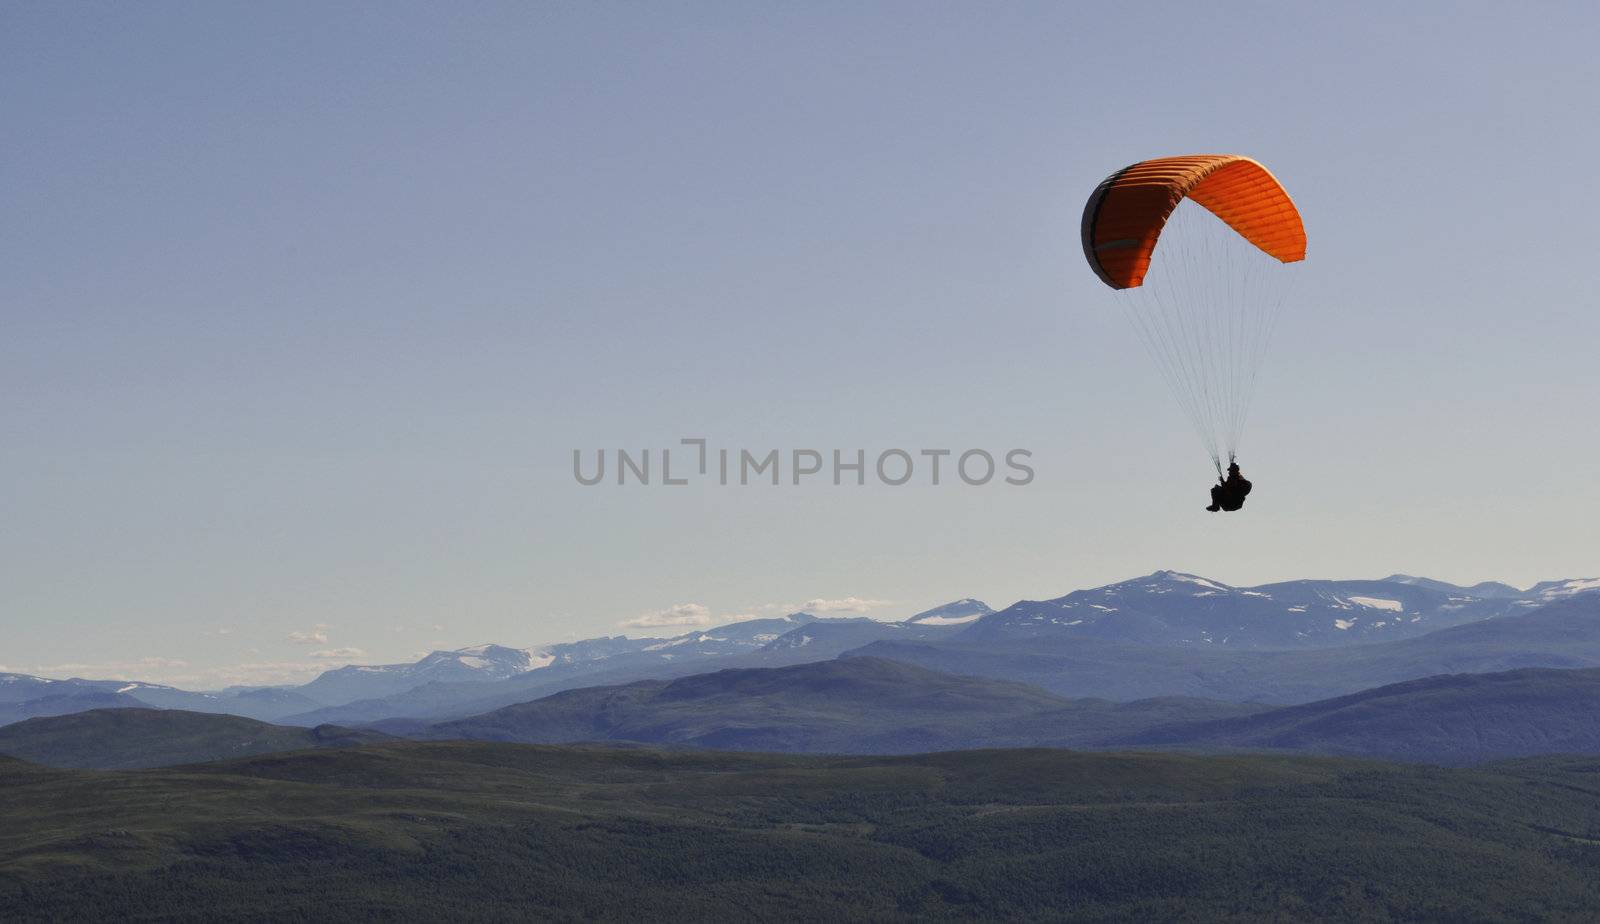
x: 66, y: 703
x: 791, y: 639
x: 858, y: 705
x: 1169, y: 608
x: 22, y: 687
x: 1483, y: 589
x: 1164, y: 634
x: 1563, y: 634
x: 872, y: 706
x: 478, y: 664
x: 1452, y: 719
x: 107, y: 739
x: 16, y: 688
x: 267, y: 703
x: 358, y: 691
x: 23, y: 696
x: 827, y: 639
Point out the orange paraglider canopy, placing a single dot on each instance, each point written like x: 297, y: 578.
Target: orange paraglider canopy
x: 1124, y: 216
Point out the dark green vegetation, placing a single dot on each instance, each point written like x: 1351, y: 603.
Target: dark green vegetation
x: 454, y: 831
x: 111, y: 739
x: 856, y: 705
x: 1455, y: 719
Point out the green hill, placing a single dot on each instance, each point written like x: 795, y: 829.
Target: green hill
x: 854, y: 705
x: 1454, y: 719
x: 125, y: 739
x: 451, y: 831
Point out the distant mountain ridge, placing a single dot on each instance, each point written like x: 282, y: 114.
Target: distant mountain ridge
x: 1485, y: 589
x: 480, y: 663
x: 1171, y: 608
x: 1163, y: 610
x: 1561, y: 634
x: 870, y: 706
x: 1168, y: 633
x: 771, y: 642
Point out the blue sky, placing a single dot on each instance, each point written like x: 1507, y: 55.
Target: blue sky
x: 305, y: 308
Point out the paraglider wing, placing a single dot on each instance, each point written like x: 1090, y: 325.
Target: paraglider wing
x: 1207, y: 306
x: 1123, y: 218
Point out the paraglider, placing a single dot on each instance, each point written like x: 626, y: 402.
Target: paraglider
x: 1206, y: 307
x: 1229, y: 493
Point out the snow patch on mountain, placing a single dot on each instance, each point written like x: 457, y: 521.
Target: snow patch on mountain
x: 1192, y: 579
x: 955, y: 613
x: 948, y: 620
x: 1553, y: 590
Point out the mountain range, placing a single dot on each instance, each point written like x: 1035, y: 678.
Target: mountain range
x: 1561, y: 634
x: 792, y: 639
x: 869, y: 706
x: 1167, y: 616
x: 1169, y: 608
x: 1168, y: 634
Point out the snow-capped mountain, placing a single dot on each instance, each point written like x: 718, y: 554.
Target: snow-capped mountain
x: 357, y: 692
x: 1547, y: 591
x: 789, y: 639
x: 827, y: 638
x: 25, y: 696
x: 958, y: 613
x: 17, y: 688
x: 733, y: 638
x: 1173, y: 608
x: 481, y: 662
x: 478, y: 664
x: 1166, y: 609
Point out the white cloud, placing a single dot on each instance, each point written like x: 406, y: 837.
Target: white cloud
x: 842, y: 605
x: 681, y: 614
x: 317, y: 635
x: 346, y: 653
